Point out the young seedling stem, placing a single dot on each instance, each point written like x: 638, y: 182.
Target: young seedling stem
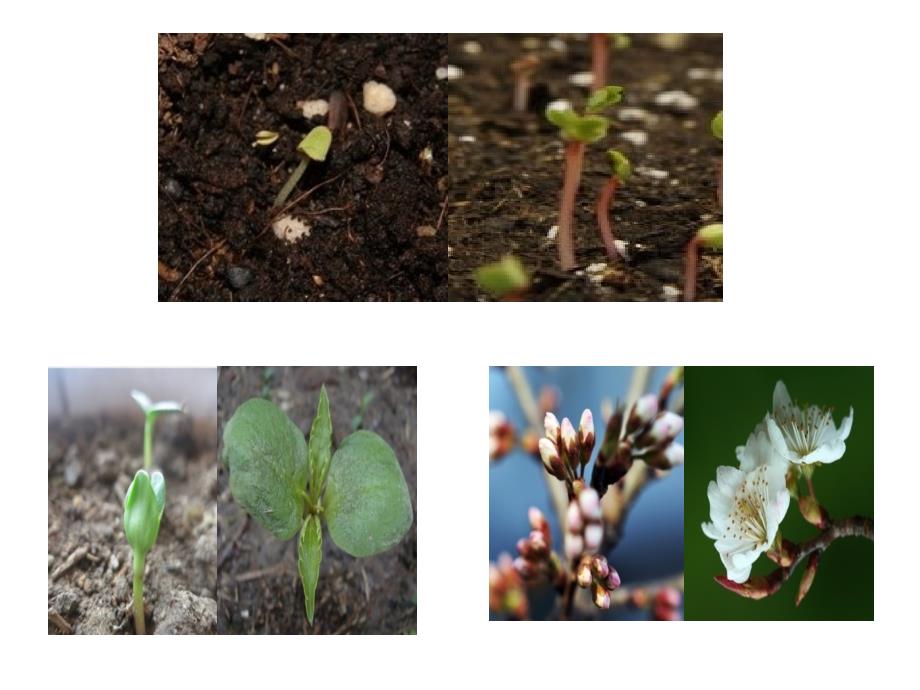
x: 144, y: 504
x: 314, y: 146
x: 139, y: 623
x: 621, y: 173
x: 523, y: 69
x: 574, y: 160
x: 151, y: 411
x: 709, y: 236
x: 600, y: 54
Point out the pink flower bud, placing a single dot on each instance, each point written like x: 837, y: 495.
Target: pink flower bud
x: 537, y: 542
x: 666, y: 427
x: 573, y: 520
x: 668, y: 596
x: 523, y: 567
x: 569, y: 438
x: 601, y: 597
x: 551, y: 460
x: 522, y: 546
x: 645, y: 409
x: 586, y: 430
x: 674, y: 454
x: 594, y: 533
x: 590, y: 504
x: 574, y: 545
x: 537, y: 521
x: 613, y: 579
x: 551, y: 424
x: 583, y: 574
x: 600, y: 567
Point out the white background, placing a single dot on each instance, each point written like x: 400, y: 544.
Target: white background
x: 821, y: 196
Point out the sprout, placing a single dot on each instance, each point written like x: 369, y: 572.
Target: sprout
x: 708, y: 237
x: 144, y: 504
x: 504, y: 278
x: 622, y: 169
x: 265, y: 138
x: 523, y: 69
x: 716, y: 126
x: 314, y: 146
x: 152, y: 410
x: 578, y: 130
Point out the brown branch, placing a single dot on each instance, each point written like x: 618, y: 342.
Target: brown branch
x: 759, y: 587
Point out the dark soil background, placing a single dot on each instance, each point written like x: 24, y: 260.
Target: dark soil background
x: 505, y: 186
x: 91, y: 462
x: 259, y: 586
x: 215, y: 189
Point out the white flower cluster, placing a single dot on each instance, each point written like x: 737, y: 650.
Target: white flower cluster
x: 747, y: 504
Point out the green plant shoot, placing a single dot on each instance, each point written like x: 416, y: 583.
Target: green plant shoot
x: 314, y: 146
x: 716, y: 126
x: 503, y: 278
x: 290, y: 485
x: 144, y: 504
x: 151, y: 411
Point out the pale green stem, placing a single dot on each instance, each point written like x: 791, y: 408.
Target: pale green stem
x: 148, y: 441
x: 139, y: 627
x: 291, y: 183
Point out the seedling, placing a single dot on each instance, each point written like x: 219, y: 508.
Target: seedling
x: 152, y: 410
x: 144, y: 504
x: 708, y: 237
x: 716, y: 127
x: 288, y: 485
x: 523, y: 69
x: 621, y: 172
x: 600, y: 54
x: 577, y: 131
x: 314, y: 146
x: 503, y: 279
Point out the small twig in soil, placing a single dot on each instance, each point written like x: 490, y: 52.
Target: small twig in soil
x: 58, y: 621
x: 282, y: 568
x: 71, y: 561
x: 232, y: 545
x: 441, y: 217
x: 239, y: 121
x: 354, y: 110
x: 291, y: 54
x: 204, y: 256
x: 303, y: 196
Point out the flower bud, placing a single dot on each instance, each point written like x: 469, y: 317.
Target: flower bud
x: 586, y: 435
x: 808, y: 577
x: 535, y: 516
x: 674, y: 454
x: 812, y: 512
x: 583, y: 573
x: 537, y: 543
x: 551, y: 460
x: 524, y: 567
x: 569, y: 439
x: 755, y: 588
x: 666, y: 427
x: 613, y: 579
x: 574, y: 522
x: 668, y: 596
x: 665, y: 613
x: 643, y: 411
x: 594, y: 533
x: 551, y: 424
x: 590, y: 504
x: 574, y: 545
x: 599, y: 567
x: 601, y: 597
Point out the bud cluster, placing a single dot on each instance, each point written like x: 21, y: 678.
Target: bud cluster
x: 583, y: 528
x: 564, y: 451
x: 506, y: 589
x: 501, y: 435
x: 535, y: 556
x: 648, y: 434
x: 596, y: 573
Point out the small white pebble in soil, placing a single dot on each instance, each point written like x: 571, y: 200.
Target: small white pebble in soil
x: 449, y: 73
x: 652, y: 173
x: 315, y: 108
x: 640, y: 203
x: 426, y: 231
x: 622, y: 247
x: 581, y: 79
x: 679, y: 100
x: 632, y: 114
x: 530, y: 43
x: 379, y: 99
x: 290, y: 229
x: 426, y: 157
x: 557, y: 45
x: 472, y: 48
x: 636, y: 137
x: 559, y: 104
x: 318, y: 280
x: 244, y: 614
x: 702, y: 73
x: 257, y: 37
x: 468, y: 139
x: 553, y: 231
x: 706, y: 217
x: 670, y: 293
x: 596, y: 272
x: 671, y: 41
x: 675, y: 182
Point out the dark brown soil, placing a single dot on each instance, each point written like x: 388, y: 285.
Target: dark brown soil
x: 215, y: 189
x: 259, y: 587
x: 90, y: 465
x: 505, y: 186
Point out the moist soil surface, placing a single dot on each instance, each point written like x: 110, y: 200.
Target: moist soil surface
x: 91, y: 463
x: 505, y: 182
x: 216, y: 189
x: 258, y: 583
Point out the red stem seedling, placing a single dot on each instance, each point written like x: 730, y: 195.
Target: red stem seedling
x: 708, y: 237
x: 523, y: 69
x: 621, y: 172
x: 600, y: 54
x: 577, y: 130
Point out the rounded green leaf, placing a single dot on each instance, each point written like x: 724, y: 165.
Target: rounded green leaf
x: 503, y: 277
x: 367, y: 502
x: 561, y: 117
x: 604, y: 98
x: 710, y: 236
x: 620, y: 163
x: 717, y: 126
x: 144, y: 504
x: 309, y: 556
x: 269, y: 466
x: 316, y: 144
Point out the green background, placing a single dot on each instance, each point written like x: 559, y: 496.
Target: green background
x: 723, y: 405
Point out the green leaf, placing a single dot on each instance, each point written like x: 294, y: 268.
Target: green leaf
x: 561, y: 117
x: 269, y: 466
x: 320, y: 445
x: 620, y: 163
x: 309, y: 556
x: 144, y: 504
x: 367, y: 502
x: 503, y: 277
x: 711, y: 236
x: 589, y: 128
x: 316, y: 144
x: 604, y: 98
x: 151, y: 408
x: 717, y: 126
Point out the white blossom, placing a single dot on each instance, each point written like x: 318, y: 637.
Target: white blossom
x: 805, y: 435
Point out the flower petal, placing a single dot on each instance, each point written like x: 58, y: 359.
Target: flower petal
x: 778, y: 441
x: 729, y: 479
x: 846, y: 425
x: 781, y: 399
